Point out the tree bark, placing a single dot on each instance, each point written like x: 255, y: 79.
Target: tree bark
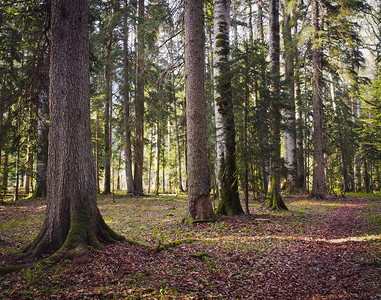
x: 275, y: 201
x: 301, y: 172
x: 72, y: 220
x: 199, y: 202
x: 126, y: 106
x: 107, y: 118
x: 139, y: 106
x: 318, y: 184
x: 42, y: 139
x: 158, y: 151
x: 229, y: 203
x: 289, y: 112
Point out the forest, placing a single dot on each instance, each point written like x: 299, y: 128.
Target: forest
x: 194, y: 149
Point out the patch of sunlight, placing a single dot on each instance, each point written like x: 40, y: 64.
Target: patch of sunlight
x: 315, y: 203
x: 294, y: 238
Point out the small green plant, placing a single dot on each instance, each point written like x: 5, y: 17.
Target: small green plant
x: 34, y: 274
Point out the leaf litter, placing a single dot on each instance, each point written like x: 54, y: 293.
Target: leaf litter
x: 320, y: 250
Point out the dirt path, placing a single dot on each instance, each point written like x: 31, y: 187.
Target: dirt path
x: 330, y: 263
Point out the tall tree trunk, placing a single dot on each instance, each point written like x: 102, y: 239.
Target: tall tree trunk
x: 29, y: 167
x: 107, y: 118
x: 179, y: 171
x: 318, y: 184
x: 245, y: 143
x: 289, y: 112
x: 139, y: 106
x: 97, y: 129
x: 42, y: 132
x: 126, y: 105
x: 229, y: 203
x: 251, y: 35
x: 260, y: 21
x: 72, y: 220
x: 199, y: 202
x: 357, y: 158
x: 158, y: 150
x: 301, y: 172
x: 275, y: 201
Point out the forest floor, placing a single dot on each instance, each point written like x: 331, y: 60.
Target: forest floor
x: 328, y: 249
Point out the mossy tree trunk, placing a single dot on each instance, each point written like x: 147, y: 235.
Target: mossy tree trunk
x: 229, y: 203
x: 275, y: 200
x: 199, y: 202
x: 73, y: 221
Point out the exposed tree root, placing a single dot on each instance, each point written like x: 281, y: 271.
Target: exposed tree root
x: 172, y: 244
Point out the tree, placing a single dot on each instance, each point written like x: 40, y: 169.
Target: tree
x: 289, y: 111
x: 139, y: 105
x: 42, y: 128
x: 275, y: 201
x: 199, y: 203
x: 73, y: 220
x: 229, y: 203
x: 126, y: 105
x: 318, y: 184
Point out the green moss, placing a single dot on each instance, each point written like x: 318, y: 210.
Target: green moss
x: 275, y: 201
x: 172, y: 244
x: 199, y: 255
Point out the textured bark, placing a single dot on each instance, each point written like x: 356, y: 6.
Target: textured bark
x: 126, y: 107
x: 289, y: 112
x: 318, y: 184
x: 199, y: 202
x: 275, y: 200
x: 42, y: 139
x: 139, y: 106
x: 301, y: 172
x: 229, y: 203
x: 72, y: 220
x: 107, y: 119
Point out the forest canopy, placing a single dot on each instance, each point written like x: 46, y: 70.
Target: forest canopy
x: 315, y: 126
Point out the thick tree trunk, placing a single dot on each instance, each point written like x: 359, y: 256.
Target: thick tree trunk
x: 139, y: 106
x: 126, y: 106
x: 199, y: 202
x: 72, y: 220
x: 318, y: 184
x: 229, y: 203
x: 289, y: 112
x: 275, y: 201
